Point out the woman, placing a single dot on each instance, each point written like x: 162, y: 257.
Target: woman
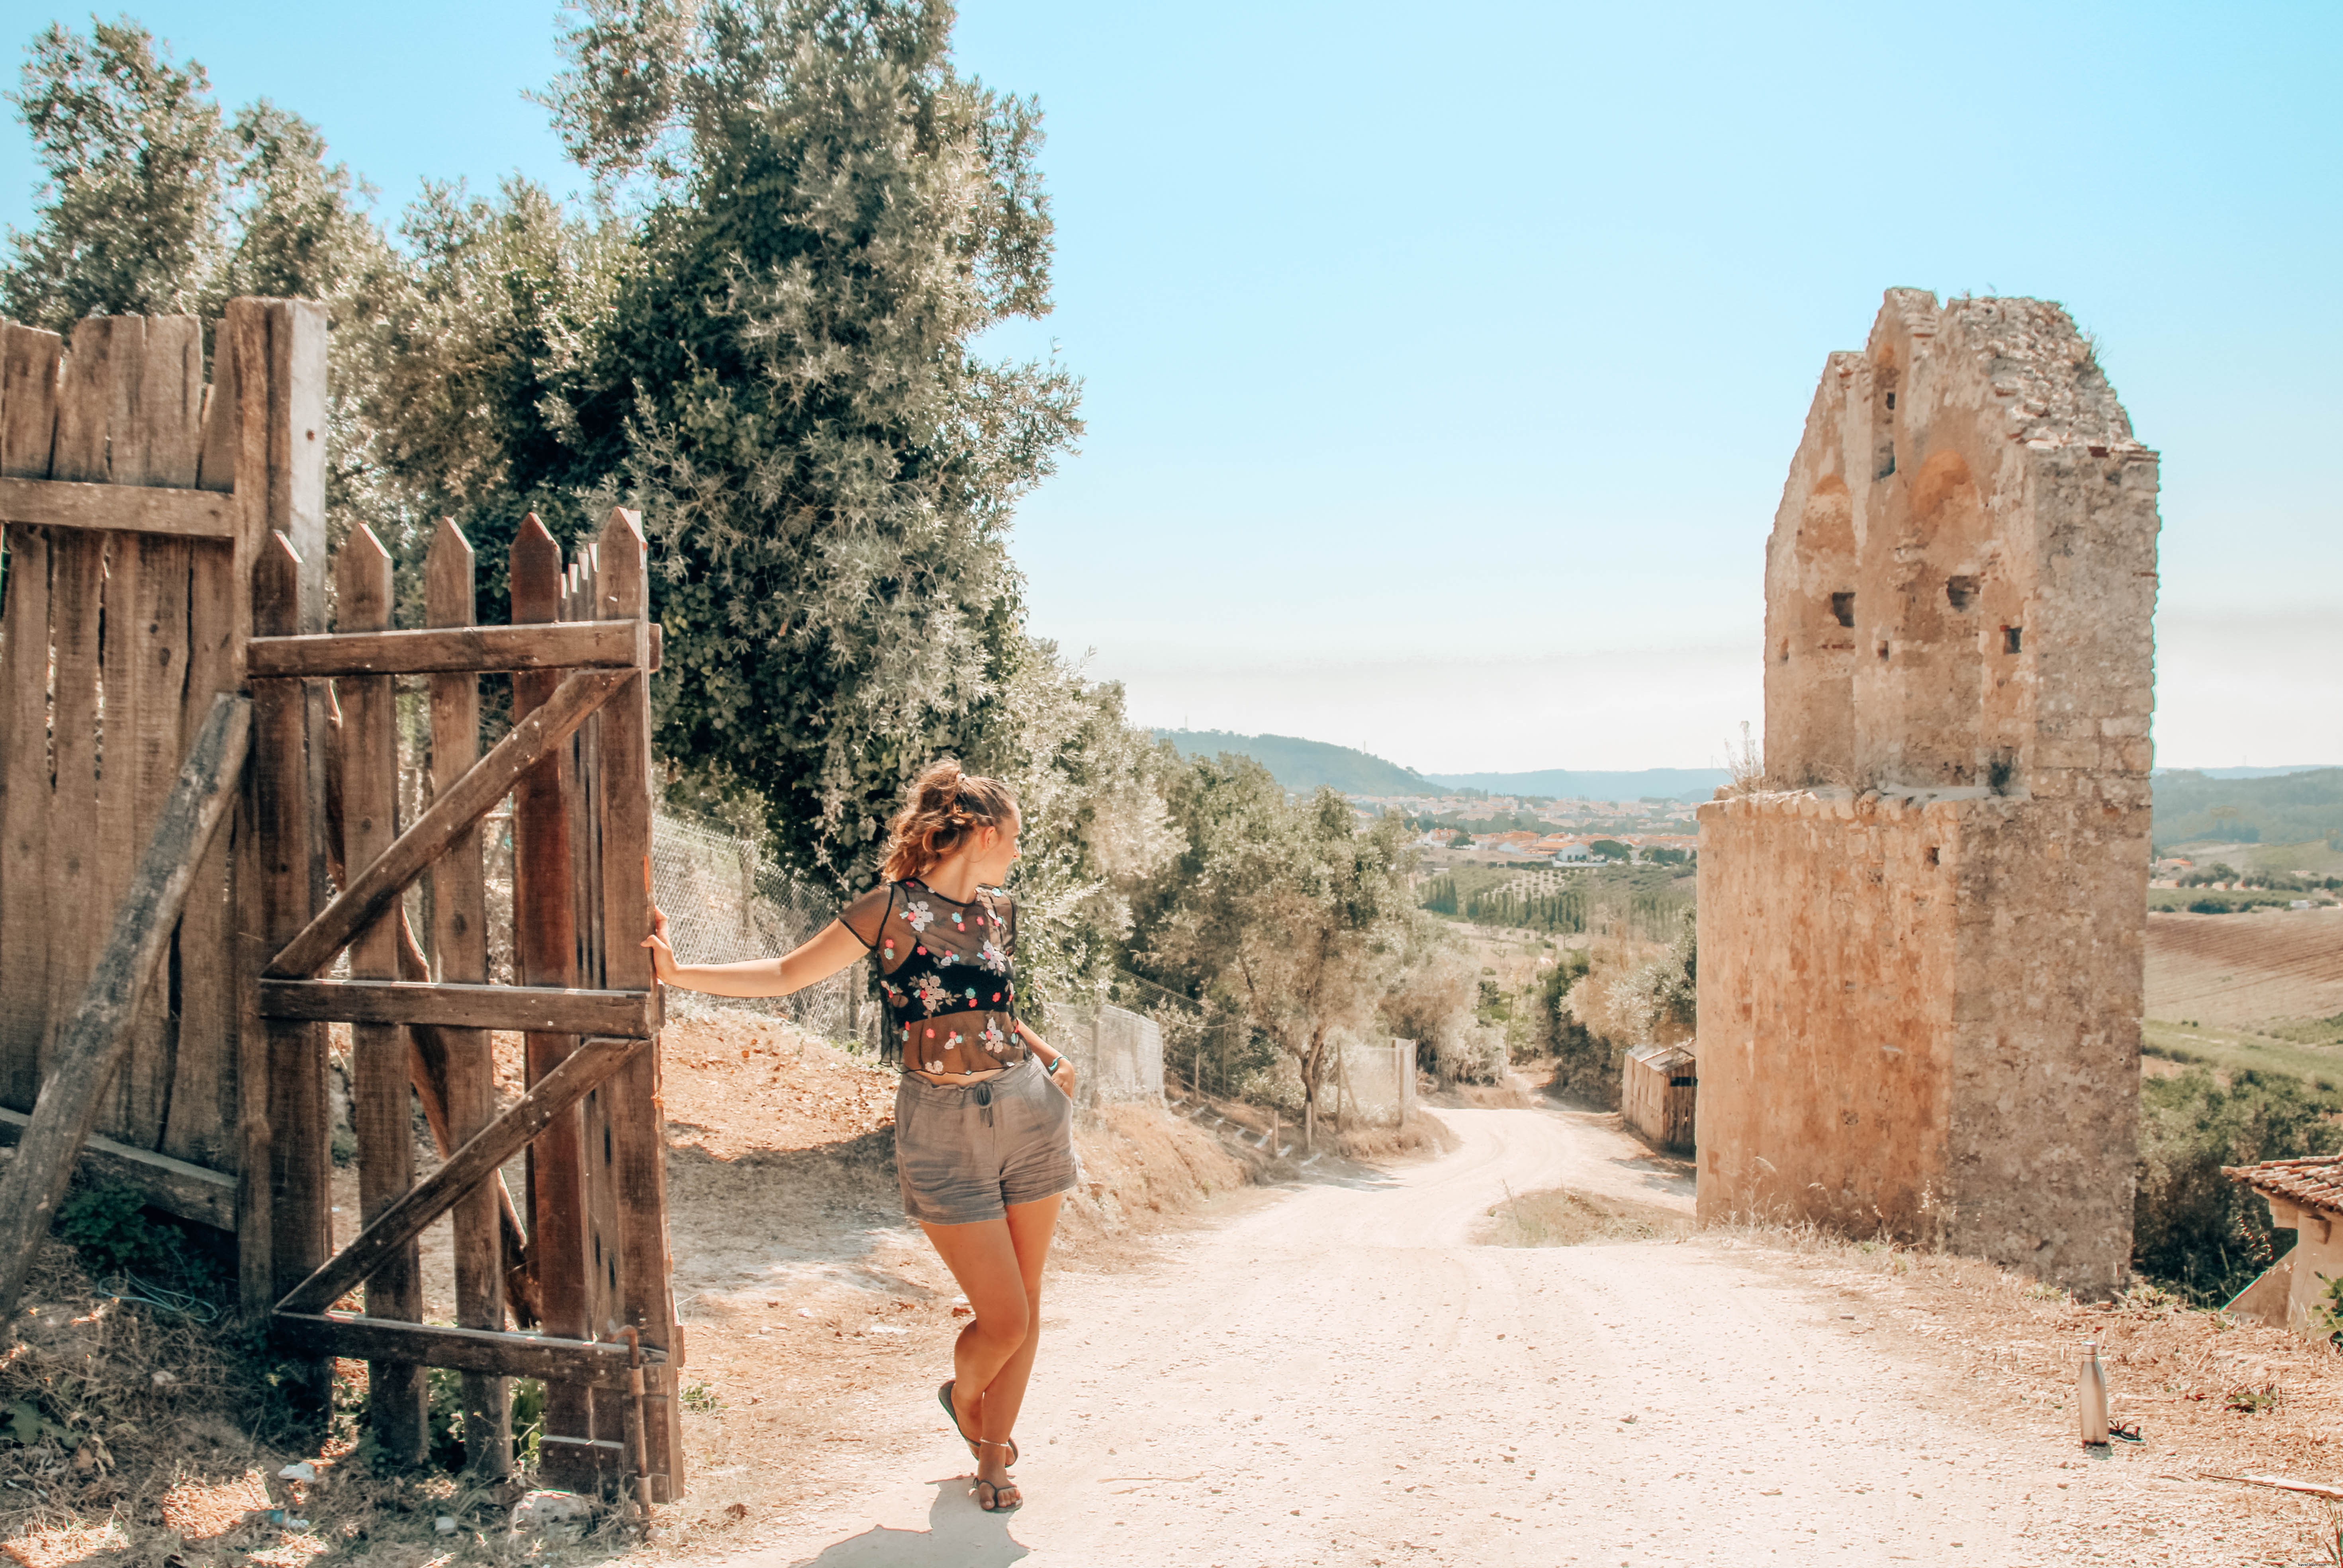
x: 983, y: 1117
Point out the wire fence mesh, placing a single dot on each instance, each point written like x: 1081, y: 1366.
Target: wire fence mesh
x: 725, y: 903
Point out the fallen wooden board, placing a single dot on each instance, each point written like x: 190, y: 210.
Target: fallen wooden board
x: 2314, y: 1488
x: 189, y: 1191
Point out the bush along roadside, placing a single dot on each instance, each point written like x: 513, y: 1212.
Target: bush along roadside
x: 2194, y: 1230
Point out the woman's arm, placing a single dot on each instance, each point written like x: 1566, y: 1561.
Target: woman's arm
x: 830, y: 950
x: 1060, y: 1065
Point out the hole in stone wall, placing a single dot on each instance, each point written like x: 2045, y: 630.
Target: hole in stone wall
x: 1960, y: 592
x: 1932, y: 854
x: 1843, y: 607
x: 1882, y: 650
x: 2012, y: 638
x: 1883, y: 459
x: 1891, y: 399
x: 1785, y: 650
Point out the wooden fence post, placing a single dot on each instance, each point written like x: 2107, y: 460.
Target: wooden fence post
x: 459, y: 940
x: 545, y: 942
x: 639, y: 1126
x: 272, y: 888
x: 397, y: 1398
x: 265, y: 424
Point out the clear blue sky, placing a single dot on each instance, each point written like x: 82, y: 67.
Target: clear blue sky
x: 1442, y: 378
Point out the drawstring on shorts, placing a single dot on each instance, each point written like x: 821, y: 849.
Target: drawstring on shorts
x: 984, y: 1098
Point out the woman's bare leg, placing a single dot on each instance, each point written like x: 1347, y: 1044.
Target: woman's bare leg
x: 998, y: 1263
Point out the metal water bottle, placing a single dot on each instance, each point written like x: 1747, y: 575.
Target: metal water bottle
x: 2091, y: 1385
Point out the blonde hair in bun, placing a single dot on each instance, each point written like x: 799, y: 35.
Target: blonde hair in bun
x: 943, y: 809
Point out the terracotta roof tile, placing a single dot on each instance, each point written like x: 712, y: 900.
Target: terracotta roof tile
x: 2313, y: 1183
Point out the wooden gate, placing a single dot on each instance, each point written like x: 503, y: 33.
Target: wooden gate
x: 165, y: 596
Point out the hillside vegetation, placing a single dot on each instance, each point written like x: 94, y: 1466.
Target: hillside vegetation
x: 1694, y: 784
x: 1301, y: 765
x: 2191, y: 806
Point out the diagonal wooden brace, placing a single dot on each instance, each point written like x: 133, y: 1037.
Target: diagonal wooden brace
x: 376, y: 888
x: 475, y: 1162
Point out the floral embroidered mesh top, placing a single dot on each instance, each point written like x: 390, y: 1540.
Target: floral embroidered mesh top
x: 948, y: 972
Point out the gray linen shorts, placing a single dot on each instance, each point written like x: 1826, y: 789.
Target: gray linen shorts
x: 965, y: 1152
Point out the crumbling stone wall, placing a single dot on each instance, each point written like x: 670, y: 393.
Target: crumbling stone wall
x: 1921, y: 939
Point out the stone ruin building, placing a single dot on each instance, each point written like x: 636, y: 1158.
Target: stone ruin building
x: 1921, y: 933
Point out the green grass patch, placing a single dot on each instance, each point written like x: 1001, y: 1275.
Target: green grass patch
x: 2310, y: 1049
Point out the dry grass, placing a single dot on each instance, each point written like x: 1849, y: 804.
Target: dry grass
x: 2211, y: 1396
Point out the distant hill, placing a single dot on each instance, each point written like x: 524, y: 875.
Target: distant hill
x: 2283, y: 810
x: 1565, y: 784
x: 1303, y: 765
x: 2246, y: 773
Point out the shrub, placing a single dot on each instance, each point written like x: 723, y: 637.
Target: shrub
x: 2193, y: 1229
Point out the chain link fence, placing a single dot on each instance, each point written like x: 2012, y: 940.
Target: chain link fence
x: 1117, y: 1054
x: 725, y: 902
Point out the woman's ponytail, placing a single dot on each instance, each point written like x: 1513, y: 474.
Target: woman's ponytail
x: 942, y: 810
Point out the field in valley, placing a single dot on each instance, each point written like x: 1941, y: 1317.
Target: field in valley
x: 2260, y: 990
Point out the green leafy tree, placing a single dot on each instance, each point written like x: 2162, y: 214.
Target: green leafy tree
x: 153, y: 203
x: 830, y: 215
x: 131, y: 213
x: 1284, y: 913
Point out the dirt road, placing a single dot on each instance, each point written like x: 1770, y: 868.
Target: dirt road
x: 1338, y: 1375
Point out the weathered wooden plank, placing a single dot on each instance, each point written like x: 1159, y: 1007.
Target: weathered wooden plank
x: 498, y: 1355
x: 474, y: 650
x: 639, y: 1125
x: 273, y: 901
x: 30, y: 363
x: 24, y: 817
x: 280, y: 481
x: 120, y: 504
x: 120, y: 720
x: 76, y: 611
x: 460, y: 939
x: 397, y: 1403
x: 545, y: 947
x: 152, y: 444
x: 372, y: 890
x: 297, y: 330
x: 170, y: 405
x: 545, y: 1105
x: 93, y: 1044
x: 176, y: 1187
x: 453, y: 1006
x: 205, y: 1108
x: 85, y: 400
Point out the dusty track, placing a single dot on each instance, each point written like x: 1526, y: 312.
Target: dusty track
x: 2245, y: 968
x: 1337, y: 1374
